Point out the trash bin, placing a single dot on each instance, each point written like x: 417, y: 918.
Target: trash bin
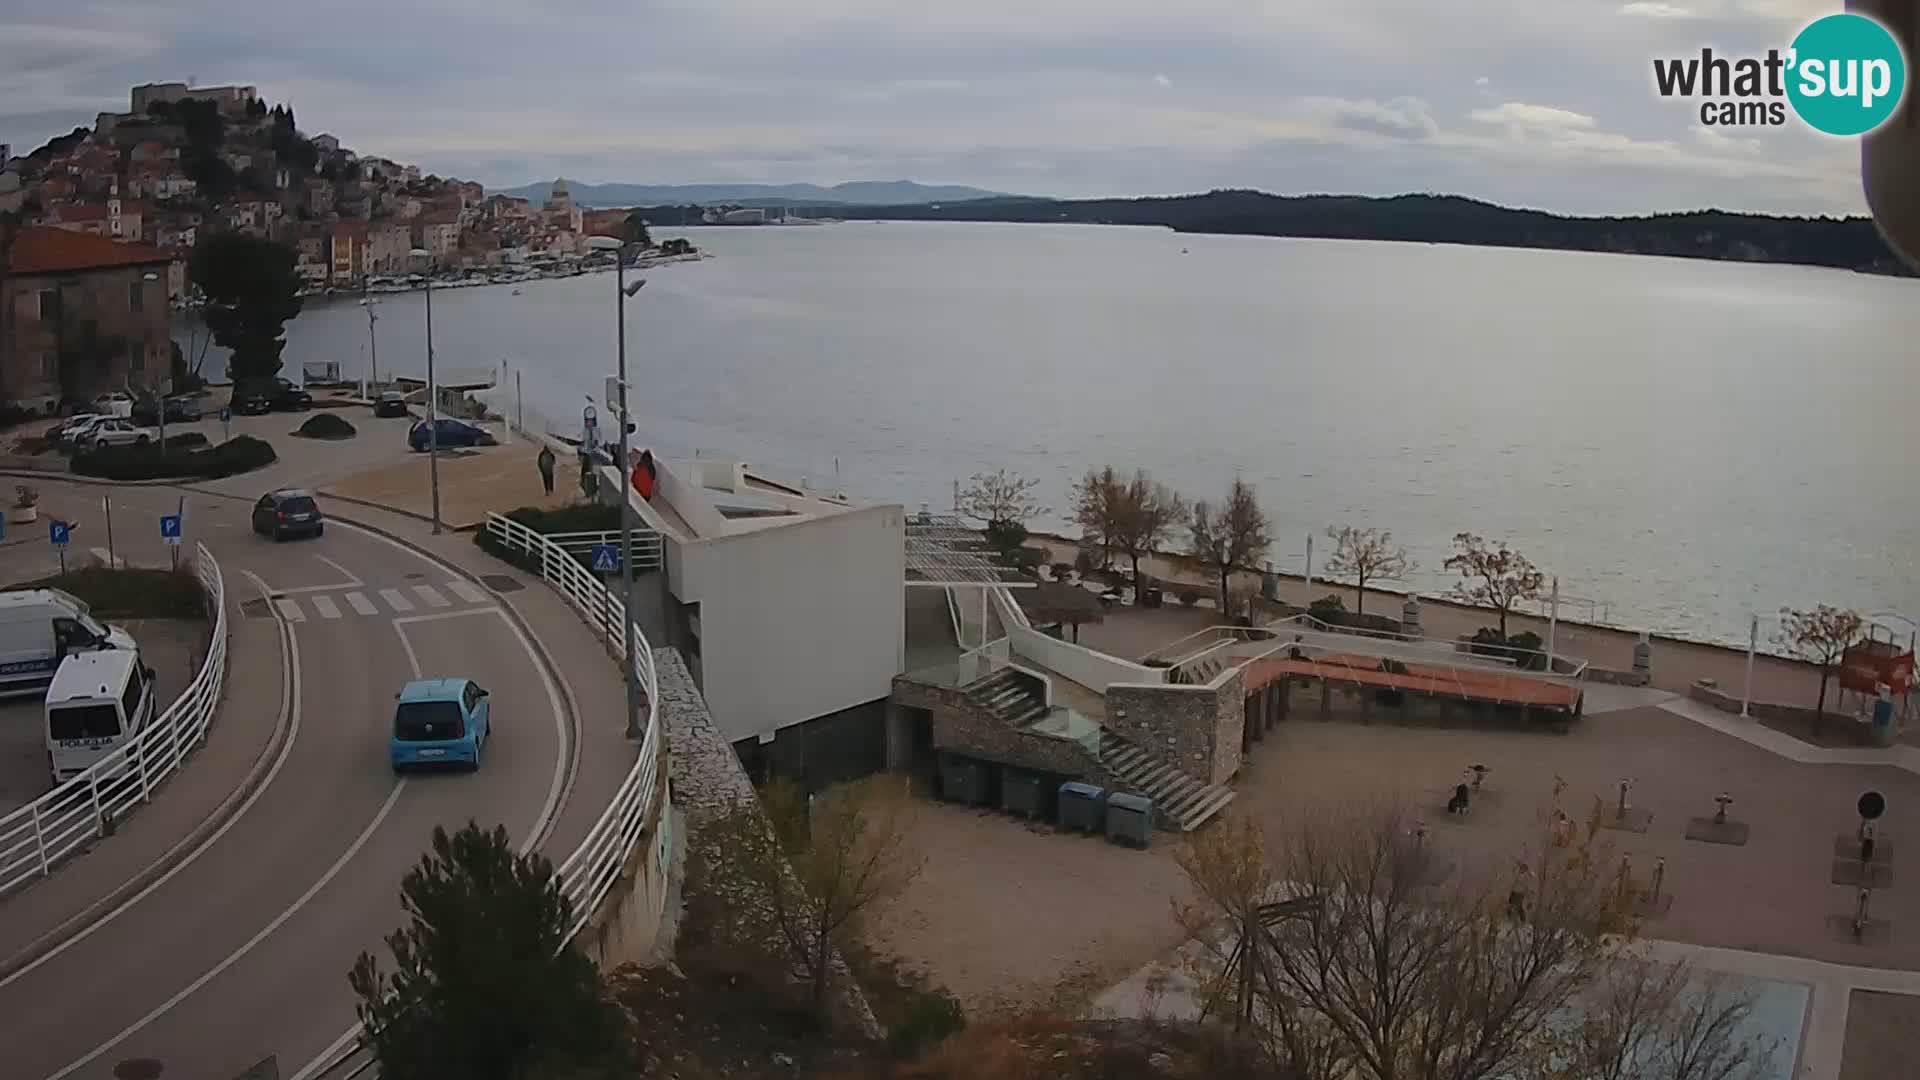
x: 1129, y: 819
x: 1151, y: 597
x: 1022, y: 793
x: 963, y: 780
x: 1082, y: 806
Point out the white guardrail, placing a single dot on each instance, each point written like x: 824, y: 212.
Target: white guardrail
x: 40, y: 834
x: 589, y: 874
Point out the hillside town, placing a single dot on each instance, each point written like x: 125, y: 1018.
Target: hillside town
x: 185, y: 160
x: 97, y: 228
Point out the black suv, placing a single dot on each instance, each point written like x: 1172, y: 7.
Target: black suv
x: 289, y: 512
x: 267, y: 395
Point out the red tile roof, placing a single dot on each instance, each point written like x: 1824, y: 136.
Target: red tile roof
x: 44, y: 250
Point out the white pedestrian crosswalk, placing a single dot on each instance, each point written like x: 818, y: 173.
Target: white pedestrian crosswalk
x: 324, y: 605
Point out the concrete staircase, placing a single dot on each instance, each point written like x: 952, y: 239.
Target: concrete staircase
x: 1010, y: 696
x: 1178, y: 797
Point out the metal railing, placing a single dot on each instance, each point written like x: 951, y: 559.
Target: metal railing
x: 40, y: 834
x: 647, y: 547
x: 592, y: 870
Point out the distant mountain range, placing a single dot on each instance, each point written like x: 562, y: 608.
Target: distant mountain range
x: 864, y: 192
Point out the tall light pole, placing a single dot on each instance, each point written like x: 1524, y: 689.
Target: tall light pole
x: 373, y: 343
x: 433, y: 419
x: 621, y: 294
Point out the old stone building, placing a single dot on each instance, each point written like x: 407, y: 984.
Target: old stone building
x: 80, y: 314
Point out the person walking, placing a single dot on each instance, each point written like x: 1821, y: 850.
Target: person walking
x: 546, y: 463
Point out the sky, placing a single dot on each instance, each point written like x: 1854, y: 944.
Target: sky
x: 1537, y: 103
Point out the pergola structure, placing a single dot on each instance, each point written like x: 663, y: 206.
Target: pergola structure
x: 944, y: 553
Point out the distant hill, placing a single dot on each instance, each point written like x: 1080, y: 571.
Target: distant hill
x: 866, y: 192
x: 1843, y: 243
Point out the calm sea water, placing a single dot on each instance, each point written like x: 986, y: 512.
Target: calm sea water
x: 1686, y: 441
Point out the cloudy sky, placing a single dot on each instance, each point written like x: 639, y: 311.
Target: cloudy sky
x: 1545, y: 103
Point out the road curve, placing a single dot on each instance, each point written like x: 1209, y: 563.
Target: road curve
x: 241, y: 952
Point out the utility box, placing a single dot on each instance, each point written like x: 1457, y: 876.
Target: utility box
x: 1023, y: 793
x: 1083, y: 807
x: 1129, y: 819
x: 963, y: 780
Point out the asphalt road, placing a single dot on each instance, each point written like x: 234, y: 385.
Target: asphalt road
x: 242, y: 951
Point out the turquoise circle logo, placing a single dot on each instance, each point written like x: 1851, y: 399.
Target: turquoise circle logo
x: 1848, y: 74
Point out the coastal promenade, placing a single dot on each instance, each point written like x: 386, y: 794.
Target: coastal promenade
x: 1677, y: 665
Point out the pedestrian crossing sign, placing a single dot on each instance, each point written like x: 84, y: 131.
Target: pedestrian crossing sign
x: 606, y: 558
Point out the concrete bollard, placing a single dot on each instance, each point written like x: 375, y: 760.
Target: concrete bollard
x: 1410, y: 615
x: 1643, y: 656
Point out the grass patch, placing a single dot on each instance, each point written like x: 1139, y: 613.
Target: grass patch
x: 130, y: 593
x: 325, y: 425
x: 241, y: 454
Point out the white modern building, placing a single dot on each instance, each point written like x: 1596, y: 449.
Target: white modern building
x: 789, y: 606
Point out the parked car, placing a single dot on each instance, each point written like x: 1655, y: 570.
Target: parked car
x: 390, y: 403
x: 179, y: 409
x: 114, y: 403
x: 288, y: 397
x: 439, y: 721
x: 69, y: 431
x: 253, y: 400
x: 288, y: 512
x: 450, y: 432
x: 268, y: 395
x: 115, y: 432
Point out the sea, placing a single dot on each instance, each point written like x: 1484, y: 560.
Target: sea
x: 1682, y: 444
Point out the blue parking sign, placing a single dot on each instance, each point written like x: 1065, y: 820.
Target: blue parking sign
x: 606, y: 558
x: 59, y: 532
x: 170, y: 528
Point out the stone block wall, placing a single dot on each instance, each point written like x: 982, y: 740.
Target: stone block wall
x: 1834, y: 723
x: 962, y: 727
x: 1197, y: 728
x: 708, y: 781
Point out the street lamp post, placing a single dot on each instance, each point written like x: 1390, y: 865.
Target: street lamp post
x: 373, y: 346
x: 433, y: 419
x: 621, y: 295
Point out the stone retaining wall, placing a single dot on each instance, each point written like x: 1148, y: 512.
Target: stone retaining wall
x: 708, y: 781
x: 1199, y: 729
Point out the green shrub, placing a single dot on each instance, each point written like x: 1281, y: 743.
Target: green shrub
x: 1328, y: 609
x: 1189, y: 597
x: 931, y: 1017
x: 1085, y: 560
x: 579, y: 517
x: 186, y: 440
x: 243, y: 453
x: 131, y: 593
x: 1062, y: 569
x: 325, y: 425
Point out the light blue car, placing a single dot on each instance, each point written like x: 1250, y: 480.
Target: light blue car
x: 439, y: 722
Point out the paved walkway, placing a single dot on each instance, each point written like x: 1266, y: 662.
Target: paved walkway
x: 472, y: 482
x: 1676, y: 664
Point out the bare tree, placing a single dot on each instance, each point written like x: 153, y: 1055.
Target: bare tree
x: 1492, y: 575
x: 1097, y: 508
x: 1354, y: 957
x: 1645, y: 1020
x: 1366, y: 555
x: 813, y: 869
x: 1820, y: 637
x: 1148, y: 512
x: 1230, y: 535
x: 1003, y: 502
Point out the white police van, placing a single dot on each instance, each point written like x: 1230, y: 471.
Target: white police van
x: 39, y: 628
x: 98, y: 701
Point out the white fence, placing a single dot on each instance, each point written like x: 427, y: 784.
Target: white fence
x: 64, y: 820
x: 646, y: 545
x: 589, y: 874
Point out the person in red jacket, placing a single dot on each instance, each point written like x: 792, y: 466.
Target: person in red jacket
x: 643, y: 475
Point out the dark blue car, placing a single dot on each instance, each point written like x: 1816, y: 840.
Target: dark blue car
x: 451, y: 432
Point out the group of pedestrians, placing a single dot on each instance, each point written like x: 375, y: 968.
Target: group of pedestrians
x: 644, y: 476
